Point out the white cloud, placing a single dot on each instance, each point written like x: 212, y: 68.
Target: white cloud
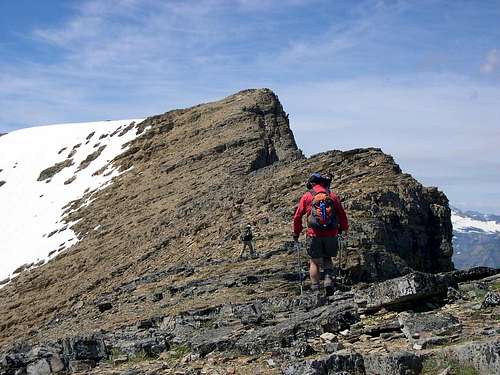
x: 492, y: 62
x: 431, y: 124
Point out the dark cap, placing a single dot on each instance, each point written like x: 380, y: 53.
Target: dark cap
x: 317, y: 178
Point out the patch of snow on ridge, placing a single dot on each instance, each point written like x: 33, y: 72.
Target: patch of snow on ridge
x: 31, y: 225
x: 466, y: 224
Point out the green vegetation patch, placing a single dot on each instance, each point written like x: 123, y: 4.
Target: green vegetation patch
x: 141, y: 356
x: 175, y: 354
x: 496, y: 286
x: 436, y: 364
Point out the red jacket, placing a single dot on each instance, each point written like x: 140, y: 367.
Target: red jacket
x: 304, y: 207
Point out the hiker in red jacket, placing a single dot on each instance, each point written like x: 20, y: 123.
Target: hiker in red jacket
x: 326, y: 218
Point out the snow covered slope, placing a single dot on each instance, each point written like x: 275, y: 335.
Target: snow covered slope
x: 41, y: 170
x: 476, y: 239
x: 466, y: 223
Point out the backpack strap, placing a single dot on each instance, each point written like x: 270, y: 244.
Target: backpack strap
x: 314, y: 192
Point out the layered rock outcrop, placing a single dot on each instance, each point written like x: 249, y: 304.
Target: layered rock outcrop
x: 294, y: 334
x: 162, y: 239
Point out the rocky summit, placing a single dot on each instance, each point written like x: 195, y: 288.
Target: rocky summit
x: 154, y: 284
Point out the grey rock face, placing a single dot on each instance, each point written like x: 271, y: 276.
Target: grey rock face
x: 85, y: 347
x: 483, y: 356
x: 40, y: 367
x: 400, y: 363
x: 405, y: 289
x: 427, y: 324
x: 301, y: 326
x: 216, y: 339
x: 337, y: 363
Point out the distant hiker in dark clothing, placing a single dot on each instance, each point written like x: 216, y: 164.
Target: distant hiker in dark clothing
x: 326, y: 218
x: 246, y: 238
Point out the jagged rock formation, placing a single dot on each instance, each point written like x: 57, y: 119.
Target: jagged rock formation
x: 159, y: 244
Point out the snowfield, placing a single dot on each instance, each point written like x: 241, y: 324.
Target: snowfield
x: 462, y: 223
x: 31, y: 210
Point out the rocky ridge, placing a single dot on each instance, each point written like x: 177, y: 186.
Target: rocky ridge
x: 154, y: 278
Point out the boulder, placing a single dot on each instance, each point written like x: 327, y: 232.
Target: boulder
x: 339, y: 362
x: 422, y: 325
x: 85, y: 347
x: 402, y: 290
x: 399, y: 363
x: 491, y: 299
x: 215, y: 339
x: 484, y: 356
x: 40, y: 367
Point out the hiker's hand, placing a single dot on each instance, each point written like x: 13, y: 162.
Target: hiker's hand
x: 295, y: 237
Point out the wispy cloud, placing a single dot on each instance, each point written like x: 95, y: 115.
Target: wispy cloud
x: 344, y: 33
x: 441, y: 128
x: 136, y: 57
x: 492, y: 62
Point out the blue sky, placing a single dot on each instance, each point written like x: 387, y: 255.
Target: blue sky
x: 420, y: 79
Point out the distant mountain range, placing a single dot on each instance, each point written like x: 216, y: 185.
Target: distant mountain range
x: 476, y: 239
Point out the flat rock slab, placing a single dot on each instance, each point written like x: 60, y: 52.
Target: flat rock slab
x: 409, y: 288
x: 301, y: 326
x: 422, y: 325
x: 214, y: 339
x: 475, y: 273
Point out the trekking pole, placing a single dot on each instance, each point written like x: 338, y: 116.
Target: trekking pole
x: 342, y: 244
x: 299, y: 268
x: 339, y: 265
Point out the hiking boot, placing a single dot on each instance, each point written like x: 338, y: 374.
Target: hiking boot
x: 316, y: 296
x: 328, y: 282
